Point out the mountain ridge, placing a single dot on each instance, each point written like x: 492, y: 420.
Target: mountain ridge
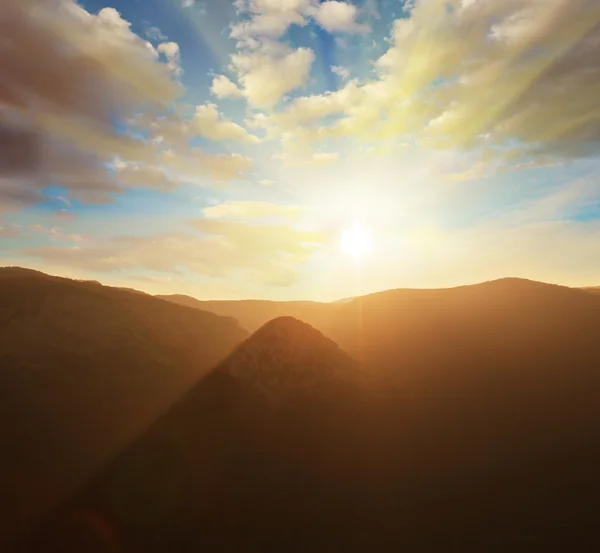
x: 83, y: 368
x: 488, y: 453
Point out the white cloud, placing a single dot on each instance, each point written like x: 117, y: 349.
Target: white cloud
x: 271, y: 25
x: 208, y: 122
x: 335, y: 16
x: 341, y: 72
x: 172, y: 53
x: 310, y: 109
x: 483, y: 75
x: 223, y: 87
x: 297, y: 159
x: 193, y: 164
x: 146, y: 176
x: 249, y: 210
x: 265, y: 78
x: 154, y: 33
x: 269, y: 18
x: 267, y: 253
x: 267, y: 69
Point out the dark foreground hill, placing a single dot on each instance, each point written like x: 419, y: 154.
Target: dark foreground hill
x: 83, y: 369
x: 286, y: 447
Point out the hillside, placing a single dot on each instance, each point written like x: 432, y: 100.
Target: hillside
x: 508, y: 321
x: 493, y: 344
x: 204, y: 465
x: 252, y: 314
x: 339, y: 466
x: 83, y: 368
x: 504, y: 321
x: 289, y: 356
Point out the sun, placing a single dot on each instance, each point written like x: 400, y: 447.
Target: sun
x: 356, y: 242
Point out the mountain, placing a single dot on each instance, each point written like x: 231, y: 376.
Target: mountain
x: 504, y: 321
x: 253, y: 314
x: 592, y: 289
x: 83, y: 369
x: 507, y: 321
x: 493, y: 349
x: 331, y: 463
x: 287, y: 356
x: 228, y: 458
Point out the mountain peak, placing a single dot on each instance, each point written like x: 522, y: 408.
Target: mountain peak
x: 288, y: 326
x: 287, y: 354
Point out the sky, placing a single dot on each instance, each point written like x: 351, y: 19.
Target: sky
x: 300, y: 149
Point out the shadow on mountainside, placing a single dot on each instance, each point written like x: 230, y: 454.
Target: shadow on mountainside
x: 83, y: 370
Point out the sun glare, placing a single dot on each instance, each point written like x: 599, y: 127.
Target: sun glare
x: 356, y: 242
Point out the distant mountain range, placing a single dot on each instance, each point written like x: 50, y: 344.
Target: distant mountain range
x: 252, y: 314
x: 465, y: 419
x: 509, y: 320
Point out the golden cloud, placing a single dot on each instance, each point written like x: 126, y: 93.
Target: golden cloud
x: 269, y: 253
x: 484, y: 74
x: 248, y: 210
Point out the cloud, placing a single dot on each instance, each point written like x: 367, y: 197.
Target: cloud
x: 555, y: 204
x: 272, y: 24
x: 171, y: 52
x: 296, y: 158
x: 269, y: 18
x: 514, y: 78
x: 154, y: 33
x: 97, y: 64
x: 265, y: 77
x: 312, y: 109
x: 248, y: 210
x: 336, y: 16
x: 208, y: 122
x: 222, y: 87
x: 265, y: 253
x: 273, y: 251
x: 193, y: 164
x: 74, y: 75
x: 266, y: 182
x: 341, y: 72
x: 267, y: 68
x: 57, y: 234
x: 145, y: 176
